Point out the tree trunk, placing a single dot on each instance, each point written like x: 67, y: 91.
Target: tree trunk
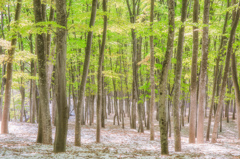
x: 133, y: 13
x: 2, y: 88
x: 134, y: 87
x: 39, y: 13
x: 229, y: 83
x: 11, y: 51
x: 236, y: 89
x: 109, y: 105
x: 50, y: 55
x: 33, y: 86
x: 234, y: 110
x: 193, y: 89
x: 182, y: 111
x: 62, y: 107
x: 152, y: 100
x: 3, y: 67
x: 224, y: 81
x: 84, y: 76
x: 177, y: 81
x: 164, y: 79
x: 100, y: 66
x: 203, y: 74
x: 14, y: 108
x: 22, y: 92
x: 148, y: 114
x: 54, y: 102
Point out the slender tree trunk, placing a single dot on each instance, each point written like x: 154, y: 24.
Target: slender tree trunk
x: 133, y: 13
x: 3, y: 66
x: 221, y: 116
x: 62, y: 107
x: 109, y: 105
x: 168, y: 109
x: 193, y: 89
x: 14, y: 108
x: 229, y: 83
x: 134, y: 88
x: 104, y: 111
x: 100, y: 66
x: 164, y: 79
x: 234, y: 110
x: 122, y: 113
x: 182, y: 111
x: 152, y: 100
x: 148, y: 115
x: 45, y: 118
x: 224, y: 81
x: 203, y: 74
x: 236, y: 89
x: 11, y: 51
x: 177, y: 82
x: 138, y: 92
x: 115, y: 105
x: 84, y: 76
x: 22, y: 92
x: 33, y: 86
x: 54, y: 101
x: 2, y: 88
x: 50, y: 55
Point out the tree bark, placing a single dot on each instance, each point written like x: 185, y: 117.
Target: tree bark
x: 224, y: 81
x: 11, y: 51
x: 236, y: 89
x: 3, y: 67
x: 2, y: 88
x: 164, y: 79
x: 177, y: 81
x: 152, y: 100
x: 100, y: 66
x: 84, y: 76
x: 33, y: 86
x: 45, y: 118
x: 133, y: 13
x: 62, y: 107
x: 193, y: 88
x: 50, y: 55
x: 203, y: 74
x: 22, y: 92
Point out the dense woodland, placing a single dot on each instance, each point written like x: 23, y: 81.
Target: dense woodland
x: 136, y: 61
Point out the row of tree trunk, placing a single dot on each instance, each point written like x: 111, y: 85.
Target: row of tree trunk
x: 134, y: 109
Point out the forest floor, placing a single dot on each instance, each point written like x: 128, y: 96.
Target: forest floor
x: 116, y: 143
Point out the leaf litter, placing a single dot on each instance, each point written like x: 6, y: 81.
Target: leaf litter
x: 115, y: 143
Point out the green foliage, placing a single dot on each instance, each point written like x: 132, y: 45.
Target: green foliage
x: 118, y: 51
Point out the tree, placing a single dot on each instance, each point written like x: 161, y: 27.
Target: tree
x: 236, y: 88
x: 44, y: 126
x: 133, y: 12
x: 62, y: 108
x: 85, y: 74
x: 193, y: 89
x: 11, y: 51
x: 177, y: 81
x: 164, y: 78
x: 226, y: 70
x: 32, y: 86
x: 100, y: 82
x: 3, y: 67
x: 220, y: 54
x: 203, y: 74
x: 152, y: 100
x: 236, y: 85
